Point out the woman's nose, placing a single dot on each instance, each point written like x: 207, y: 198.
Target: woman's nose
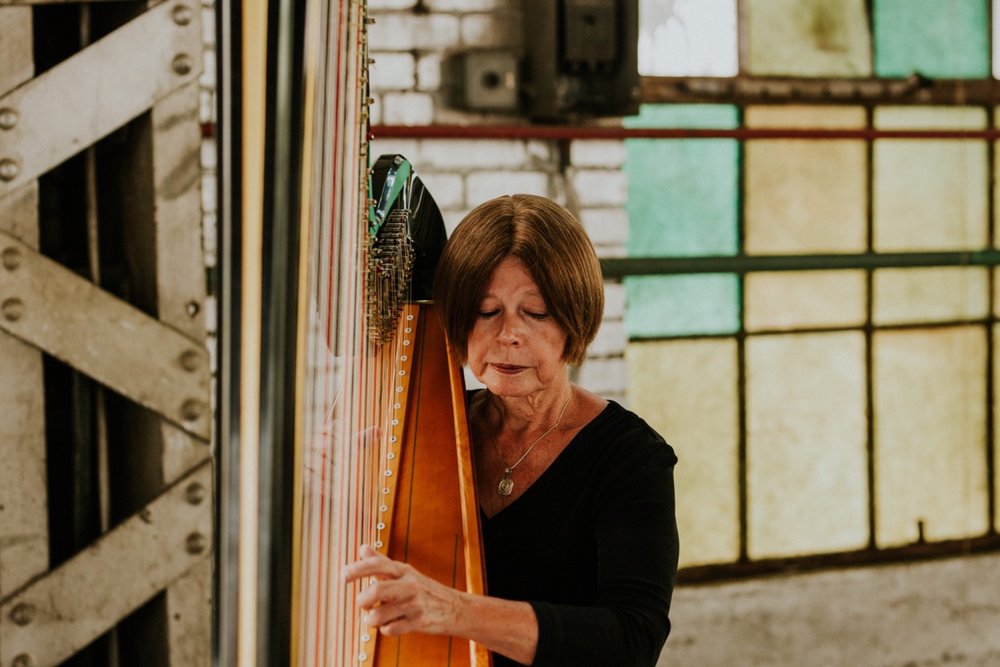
x: 510, y: 330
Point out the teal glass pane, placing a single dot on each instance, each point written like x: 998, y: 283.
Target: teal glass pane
x: 684, y: 305
x: 682, y: 193
x: 937, y: 38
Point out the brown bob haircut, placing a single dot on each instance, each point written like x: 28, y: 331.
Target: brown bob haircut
x: 553, y: 246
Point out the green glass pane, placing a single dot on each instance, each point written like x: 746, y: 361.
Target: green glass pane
x: 683, y: 193
x: 807, y: 38
x: 663, y: 306
x: 937, y: 38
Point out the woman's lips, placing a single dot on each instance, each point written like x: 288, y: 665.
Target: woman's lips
x: 507, y: 369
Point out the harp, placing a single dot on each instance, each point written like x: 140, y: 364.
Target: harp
x: 342, y: 410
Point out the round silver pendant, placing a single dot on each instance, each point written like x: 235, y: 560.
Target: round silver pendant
x: 505, y: 486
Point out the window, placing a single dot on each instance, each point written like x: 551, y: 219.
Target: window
x: 811, y: 282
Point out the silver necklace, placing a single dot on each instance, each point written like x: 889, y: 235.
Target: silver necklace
x: 506, y: 485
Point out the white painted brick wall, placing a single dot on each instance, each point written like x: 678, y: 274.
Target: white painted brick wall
x: 483, y: 185
x: 471, y: 154
x: 471, y: 5
x: 406, y: 31
x: 600, y: 187
x: 606, y: 226
x: 407, y: 109
x: 604, y: 153
x: 375, y: 6
x: 614, y: 300
x: 393, y: 71
x: 429, y: 72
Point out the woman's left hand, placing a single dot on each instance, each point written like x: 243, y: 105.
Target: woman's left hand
x: 401, y: 599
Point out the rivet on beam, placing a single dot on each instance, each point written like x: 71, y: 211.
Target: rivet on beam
x: 190, y: 361
x: 195, y: 543
x: 182, y: 15
x: 183, y: 64
x: 195, y: 493
x: 9, y: 169
x: 8, y: 118
x: 10, y: 258
x: 191, y: 410
x: 23, y: 613
x: 12, y: 309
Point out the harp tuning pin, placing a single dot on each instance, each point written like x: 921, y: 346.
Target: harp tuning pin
x: 371, y: 61
x: 369, y: 20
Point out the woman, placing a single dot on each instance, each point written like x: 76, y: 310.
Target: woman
x: 576, y: 492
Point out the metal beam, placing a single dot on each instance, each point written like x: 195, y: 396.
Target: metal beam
x: 912, y: 90
x: 54, y: 617
x: 98, y: 90
x: 24, y: 525
x: 55, y: 310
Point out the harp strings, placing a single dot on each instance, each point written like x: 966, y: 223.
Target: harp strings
x: 332, y: 520
x: 352, y: 384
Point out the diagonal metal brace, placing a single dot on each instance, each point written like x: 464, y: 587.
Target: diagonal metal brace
x: 63, y: 611
x: 50, y: 307
x: 83, y: 99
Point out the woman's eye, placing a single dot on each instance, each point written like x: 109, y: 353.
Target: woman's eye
x: 486, y: 314
x: 537, y: 316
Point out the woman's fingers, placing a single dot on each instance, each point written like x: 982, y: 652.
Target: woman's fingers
x: 400, y: 599
x: 373, y: 564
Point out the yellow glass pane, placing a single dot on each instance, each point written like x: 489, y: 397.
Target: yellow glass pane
x: 996, y: 291
x: 996, y: 417
x: 687, y: 390
x: 803, y: 299
x: 930, y: 194
x: 930, y: 434
x: 807, y: 37
x: 805, y: 195
x: 940, y: 294
x: 807, y: 479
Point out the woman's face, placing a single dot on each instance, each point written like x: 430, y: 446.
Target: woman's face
x: 515, y: 347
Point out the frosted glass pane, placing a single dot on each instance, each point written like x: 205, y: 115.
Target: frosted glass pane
x: 930, y: 434
x: 682, y: 194
x: 681, y: 305
x: 808, y: 38
x: 687, y: 38
x: 939, y: 294
x: 787, y: 300
x: 807, y: 473
x: 806, y: 196
x: 687, y: 390
x: 930, y: 194
x: 937, y: 38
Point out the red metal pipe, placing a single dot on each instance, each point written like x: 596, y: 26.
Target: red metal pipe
x: 569, y: 132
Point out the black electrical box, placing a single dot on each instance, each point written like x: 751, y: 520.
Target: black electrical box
x: 581, y: 59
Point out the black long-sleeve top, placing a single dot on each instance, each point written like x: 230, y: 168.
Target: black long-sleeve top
x: 592, y: 545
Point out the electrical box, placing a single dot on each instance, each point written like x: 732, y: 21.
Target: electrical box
x: 581, y: 59
x: 482, y: 81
